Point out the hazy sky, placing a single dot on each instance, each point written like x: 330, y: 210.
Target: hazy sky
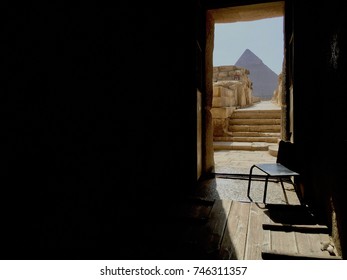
x: 263, y: 37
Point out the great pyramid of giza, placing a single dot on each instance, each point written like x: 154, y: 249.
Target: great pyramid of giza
x: 263, y: 78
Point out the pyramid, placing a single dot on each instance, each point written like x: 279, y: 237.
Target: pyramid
x: 263, y: 78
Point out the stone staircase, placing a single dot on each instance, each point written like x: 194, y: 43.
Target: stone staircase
x: 253, y: 130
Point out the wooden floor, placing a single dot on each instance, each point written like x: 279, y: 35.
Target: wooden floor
x: 224, y: 229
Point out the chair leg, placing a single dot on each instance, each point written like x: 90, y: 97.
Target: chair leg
x: 296, y: 185
x: 284, y: 191
x: 249, y: 182
x: 265, y: 189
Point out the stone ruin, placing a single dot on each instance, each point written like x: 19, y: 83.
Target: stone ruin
x: 277, y: 95
x: 232, y: 89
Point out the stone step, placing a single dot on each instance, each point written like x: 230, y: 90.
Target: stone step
x: 273, y: 150
x: 256, y: 114
x: 255, y: 134
x: 244, y: 146
x: 247, y: 139
x: 250, y: 121
x: 255, y: 128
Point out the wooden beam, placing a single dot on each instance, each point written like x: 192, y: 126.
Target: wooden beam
x: 248, y: 12
x: 297, y: 228
x: 276, y: 255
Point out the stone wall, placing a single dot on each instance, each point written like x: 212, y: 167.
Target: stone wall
x: 231, y: 89
x: 277, y: 96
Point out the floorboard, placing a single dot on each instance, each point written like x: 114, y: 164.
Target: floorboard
x: 254, y: 241
x: 234, y: 230
x: 209, y: 235
x: 234, y: 240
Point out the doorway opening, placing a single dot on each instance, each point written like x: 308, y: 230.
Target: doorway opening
x: 247, y: 83
x: 229, y: 89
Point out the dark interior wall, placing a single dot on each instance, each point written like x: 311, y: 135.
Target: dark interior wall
x: 98, y: 122
x: 320, y: 116
x: 92, y: 103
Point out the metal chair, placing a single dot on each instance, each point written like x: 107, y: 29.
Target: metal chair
x: 282, y: 169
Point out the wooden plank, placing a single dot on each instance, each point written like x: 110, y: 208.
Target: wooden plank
x: 234, y: 239
x: 266, y: 233
x: 310, y: 244
x: 296, y: 228
x: 190, y: 217
x: 197, y: 210
x: 324, y: 237
x: 282, y: 241
x: 308, y: 247
x: 272, y: 255
x: 210, y: 235
x: 254, y: 241
x: 187, y: 218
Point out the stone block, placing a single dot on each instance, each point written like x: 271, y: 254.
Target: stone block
x: 221, y: 113
x: 233, y: 100
x: 243, y: 101
x: 226, y: 68
x: 222, y: 75
x: 227, y: 93
x: 216, y: 91
x: 221, y: 102
x: 218, y: 127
